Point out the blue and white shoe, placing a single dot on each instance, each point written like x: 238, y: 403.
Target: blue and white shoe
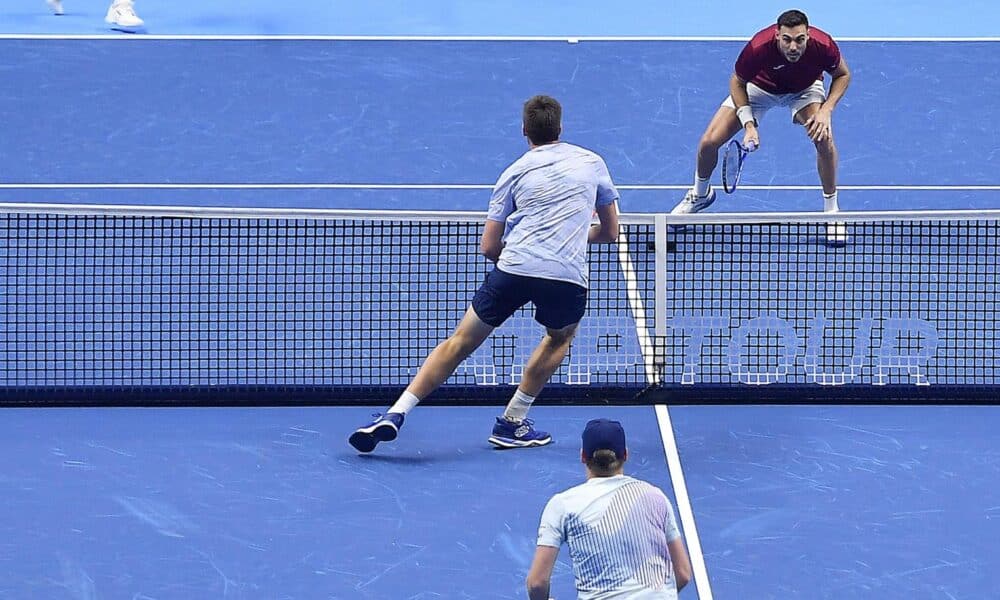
x: 383, y: 428
x: 692, y: 203
x: 507, y: 434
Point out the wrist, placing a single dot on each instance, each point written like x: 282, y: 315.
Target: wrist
x: 745, y: 115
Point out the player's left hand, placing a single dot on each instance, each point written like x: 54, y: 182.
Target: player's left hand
x: 819, y: 126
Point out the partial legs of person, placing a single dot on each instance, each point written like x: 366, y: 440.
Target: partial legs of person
x: 826, y: 164
x: 559, y: 307
x: 121, y: 14
x: 514, y: 429
x: 723, y: 126
x: 437, y: 367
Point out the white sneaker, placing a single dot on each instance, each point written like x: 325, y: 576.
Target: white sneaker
x: 836, y: 233
x: 122, y: 14
x: 56, y: 6
x: 692, y: 203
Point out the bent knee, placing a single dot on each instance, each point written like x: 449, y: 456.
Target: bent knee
x: 562, y: 336
x: 826, y: 145
x: 711, y: 141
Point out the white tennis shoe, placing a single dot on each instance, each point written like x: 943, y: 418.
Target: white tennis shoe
x: 693, y: 203
x: 121, y: 13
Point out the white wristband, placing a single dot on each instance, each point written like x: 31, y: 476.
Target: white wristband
x: 745, y: 115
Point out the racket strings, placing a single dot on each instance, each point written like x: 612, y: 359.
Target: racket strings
x: 731, y: 168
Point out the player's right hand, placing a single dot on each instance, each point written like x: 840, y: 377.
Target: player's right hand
x: 751, y: 139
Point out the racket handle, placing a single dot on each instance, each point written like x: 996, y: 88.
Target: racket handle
x: 751, y: 147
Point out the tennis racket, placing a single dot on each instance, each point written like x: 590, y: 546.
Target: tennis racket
x: 732, y: 164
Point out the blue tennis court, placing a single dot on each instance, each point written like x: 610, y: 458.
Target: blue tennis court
x: 799, y: 501
x: 890, y: 502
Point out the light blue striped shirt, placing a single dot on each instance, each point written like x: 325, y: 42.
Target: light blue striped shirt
x: 547, y: 200
x: 617, y: 530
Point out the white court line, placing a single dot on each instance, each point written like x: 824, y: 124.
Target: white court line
x: 666, y: 430
x: 683, y: 503
x: 638, y: 310
x: 461, y: 38
x: 460, y: 186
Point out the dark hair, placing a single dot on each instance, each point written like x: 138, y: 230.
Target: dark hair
x: 542, y: 119
x: 604, y: 463
x: 793, y: 18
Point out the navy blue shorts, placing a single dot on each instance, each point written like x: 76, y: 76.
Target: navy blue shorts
x: 557, y: 303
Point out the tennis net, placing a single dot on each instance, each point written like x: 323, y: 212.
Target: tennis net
x: 113, y: 304
x: 852, y: 306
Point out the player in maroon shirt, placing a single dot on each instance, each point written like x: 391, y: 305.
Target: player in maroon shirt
x: 782, y: 65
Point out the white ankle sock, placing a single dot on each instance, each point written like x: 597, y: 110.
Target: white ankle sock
x: 517, y: 408
x: 405, y: 403
x: 830, y: 203
x: 701, y: 186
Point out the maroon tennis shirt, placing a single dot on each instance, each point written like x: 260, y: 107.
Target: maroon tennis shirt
x: 763, y: 64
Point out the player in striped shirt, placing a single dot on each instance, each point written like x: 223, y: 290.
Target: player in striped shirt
x: 621, y: 532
